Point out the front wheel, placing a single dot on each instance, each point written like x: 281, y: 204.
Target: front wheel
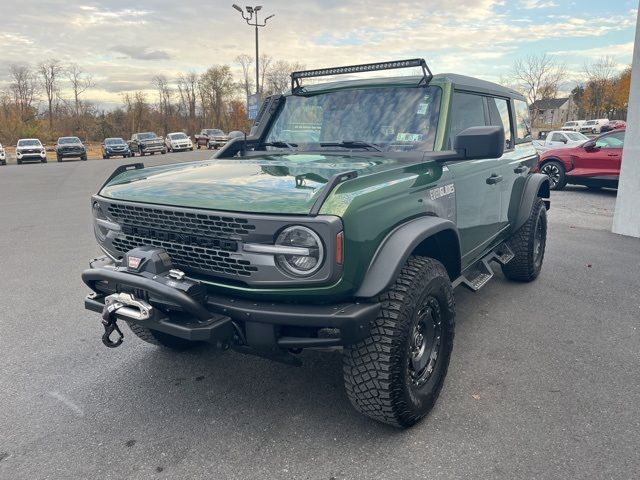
x: 83, y: 158
x: 556, y: 173
x: 395, y: 374
x: 528, y: 245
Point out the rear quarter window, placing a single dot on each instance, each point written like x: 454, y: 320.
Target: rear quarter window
x: 523, y: 121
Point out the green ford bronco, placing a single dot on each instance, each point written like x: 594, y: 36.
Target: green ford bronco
x: 345, y: 219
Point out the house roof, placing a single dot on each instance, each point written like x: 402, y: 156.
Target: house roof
x: 549, y: 103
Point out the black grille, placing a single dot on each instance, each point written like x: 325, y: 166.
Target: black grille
x: 184, y: 222
x: 191, y: 258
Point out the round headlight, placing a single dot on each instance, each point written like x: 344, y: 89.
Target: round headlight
x: 300, y: 265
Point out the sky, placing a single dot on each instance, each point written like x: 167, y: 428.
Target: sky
x: 125, y: 43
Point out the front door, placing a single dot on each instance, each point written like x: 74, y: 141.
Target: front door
x: 603, y: 160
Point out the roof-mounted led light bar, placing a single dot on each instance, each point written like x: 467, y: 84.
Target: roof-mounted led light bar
x: 365, y: 67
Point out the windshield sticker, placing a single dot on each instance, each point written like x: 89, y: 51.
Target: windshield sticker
x: 422, y: 109
x: 440, y: 192
x: 387, y: 130
x: 409, y: 137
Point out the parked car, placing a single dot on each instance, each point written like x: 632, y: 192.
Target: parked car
x: 595, y: 163
x: 3, y: 156
x: 146, y: 143
x: 211, y: 138
x: 30, y: 149
x: 115, y: 147
x: 178, y: 141
x: 559, y: 139
x: 614, y: 125
x: 357, y: 240
x: 574, y: 126
x: 593, y: 126
x: 70, y: 147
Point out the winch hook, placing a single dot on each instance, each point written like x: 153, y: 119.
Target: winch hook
x: 109, y: 322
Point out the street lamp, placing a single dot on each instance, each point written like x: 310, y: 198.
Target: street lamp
x: 253, y: 15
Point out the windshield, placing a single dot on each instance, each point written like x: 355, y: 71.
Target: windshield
x: 114, y: 141
x: 591, y: 122
x: 389, y: 119
x: 569, y: 124
x: 577, y: 137
x: 67, y: 140
x: 147, y: 136
x: 177, y: 136
x: 29, y: 143
x: 215, y: 131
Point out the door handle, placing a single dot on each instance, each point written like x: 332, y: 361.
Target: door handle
x: 520, y: 169
x: 612, y: 155
x: 493, y: 179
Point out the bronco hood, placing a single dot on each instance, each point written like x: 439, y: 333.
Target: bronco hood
x: 269, y: 184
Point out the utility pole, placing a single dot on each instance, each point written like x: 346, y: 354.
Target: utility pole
x: 252, y: 14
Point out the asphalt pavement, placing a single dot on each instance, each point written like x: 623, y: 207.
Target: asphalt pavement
x: 544, y: 381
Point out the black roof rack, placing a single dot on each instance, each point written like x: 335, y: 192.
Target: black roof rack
x: 365, y: 67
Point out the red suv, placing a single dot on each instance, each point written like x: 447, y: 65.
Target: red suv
x: 595, y: 163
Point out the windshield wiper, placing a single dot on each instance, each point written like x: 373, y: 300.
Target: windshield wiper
x: 281, y: 144
x: 352, y: 144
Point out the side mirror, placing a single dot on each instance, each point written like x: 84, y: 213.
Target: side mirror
x: 480, y: 142
x: 564, y: 140
x: 590, y: 146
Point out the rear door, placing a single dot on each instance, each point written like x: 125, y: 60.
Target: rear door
x: 477, y: 182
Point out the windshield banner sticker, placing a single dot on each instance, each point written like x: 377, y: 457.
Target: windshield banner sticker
x: 409, y: 137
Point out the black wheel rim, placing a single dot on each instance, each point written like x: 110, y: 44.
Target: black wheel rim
x: 553, y: 172
x: 538, y: 241
x: 425, y: 342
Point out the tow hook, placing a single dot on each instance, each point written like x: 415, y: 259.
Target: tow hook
x: 109, y: 322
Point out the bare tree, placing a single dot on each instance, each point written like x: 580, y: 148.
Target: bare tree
x: 165, y: 95
x: 187, y: 89
x: 80, y: 82
x: 217, y: 86
x: 265, y: 66
x: 279, y: 76
x: 24, y: 88
x: 538, y: 77
x: 246, y: 63
x: 600, y: 85
x: 50, y: 72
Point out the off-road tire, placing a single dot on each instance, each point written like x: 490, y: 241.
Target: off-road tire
x: 377, y: 370
x: 552, y: 169
x: 527, y: 263
x: 161, y: 339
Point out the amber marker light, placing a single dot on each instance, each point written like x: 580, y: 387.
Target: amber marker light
x: 339, y: 248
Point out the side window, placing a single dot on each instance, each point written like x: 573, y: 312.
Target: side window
x: 523, y: 122
x: 499, y: 116
x: 467, y: 110
x: 615, y: 140
x: 557, y: 137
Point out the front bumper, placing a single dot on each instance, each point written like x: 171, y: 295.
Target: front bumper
x: 66, y: 154
x: 153, y: 148
x: 217, y: 318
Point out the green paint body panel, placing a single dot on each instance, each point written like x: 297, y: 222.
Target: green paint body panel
x: 386, y: 193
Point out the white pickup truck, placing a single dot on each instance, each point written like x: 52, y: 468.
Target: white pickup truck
x: 559, y: 139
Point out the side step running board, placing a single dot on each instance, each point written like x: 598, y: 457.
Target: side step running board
x: 477, y: 276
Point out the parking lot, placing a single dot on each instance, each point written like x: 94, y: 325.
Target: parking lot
x: 543, y: 383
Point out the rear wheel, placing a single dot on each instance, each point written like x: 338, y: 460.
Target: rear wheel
x: 160, y: 339
x: 528, y: 245
x: 556, y: 173
x: 395, y: 374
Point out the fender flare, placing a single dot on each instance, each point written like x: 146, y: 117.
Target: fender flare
x: 396, y: 248
x: 537, y: 185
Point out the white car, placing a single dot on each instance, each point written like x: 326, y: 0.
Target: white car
x: 30, y: 149
x: 594, y: 126
x: 559, y: 139
x: 178, y: 141
x: 574, y: 126
x: 3, y: 156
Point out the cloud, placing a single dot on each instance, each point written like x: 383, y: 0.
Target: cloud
x: 535, y: 4
x: 141, y: 53
x: 92, y: 16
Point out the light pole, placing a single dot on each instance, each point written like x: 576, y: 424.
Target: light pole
x: 253, y: 11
